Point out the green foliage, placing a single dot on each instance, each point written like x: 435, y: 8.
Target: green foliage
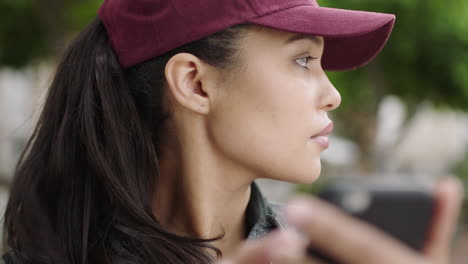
x: 82, y: 13
x: 21, y: 35
x: 30, y: 30
x: 426, y: 56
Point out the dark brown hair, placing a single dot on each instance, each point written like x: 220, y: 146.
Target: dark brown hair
x: 83, y: 187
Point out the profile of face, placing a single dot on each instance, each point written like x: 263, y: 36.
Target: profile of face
x: 265, y: 115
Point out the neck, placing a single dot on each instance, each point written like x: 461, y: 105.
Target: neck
x: 200, y: 194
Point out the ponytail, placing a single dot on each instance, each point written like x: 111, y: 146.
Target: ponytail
x: 83, y: 187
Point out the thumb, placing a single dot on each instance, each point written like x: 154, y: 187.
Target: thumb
x: 448, y: 195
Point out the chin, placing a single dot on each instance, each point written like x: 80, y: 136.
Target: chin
x: 303, y: 177
x: 311, y: 174
x: 307, y: 179
x: 297, y: 172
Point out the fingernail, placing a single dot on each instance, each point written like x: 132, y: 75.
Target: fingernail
x: 451, y: 183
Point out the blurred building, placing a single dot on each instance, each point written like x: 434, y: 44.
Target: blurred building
x: 20, y: 100
x: 20, y: 97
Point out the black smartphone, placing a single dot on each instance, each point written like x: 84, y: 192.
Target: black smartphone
x: 401, y: 209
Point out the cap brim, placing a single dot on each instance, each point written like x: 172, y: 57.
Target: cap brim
x: 352, y: 38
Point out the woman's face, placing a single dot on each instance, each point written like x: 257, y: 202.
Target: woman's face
x: 268, y: 113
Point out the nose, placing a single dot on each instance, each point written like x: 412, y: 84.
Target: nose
x: 331, y: 98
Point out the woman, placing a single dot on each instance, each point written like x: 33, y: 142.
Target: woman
x: 163, y: 113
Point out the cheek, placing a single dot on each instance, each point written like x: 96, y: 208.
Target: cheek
x: 264, y: 125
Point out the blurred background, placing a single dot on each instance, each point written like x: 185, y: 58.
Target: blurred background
x: 402, y: 116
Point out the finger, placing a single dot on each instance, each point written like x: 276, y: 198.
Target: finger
x: 343, y: 237
x: 278, y: 247
x: 448, y: 197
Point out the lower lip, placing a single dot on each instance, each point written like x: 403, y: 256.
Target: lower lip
x: 322, y: 140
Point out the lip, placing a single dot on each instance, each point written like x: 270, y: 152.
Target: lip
x: 322, y: 137
x: 326, y: 131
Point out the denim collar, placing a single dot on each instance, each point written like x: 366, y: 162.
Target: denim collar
x: 262, y: 216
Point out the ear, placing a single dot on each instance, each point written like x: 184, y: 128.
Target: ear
x: 184, y: 76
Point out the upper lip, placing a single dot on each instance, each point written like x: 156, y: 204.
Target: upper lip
x: 326, y: 131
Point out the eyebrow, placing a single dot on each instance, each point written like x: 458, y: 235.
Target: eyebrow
x: 302, y: 37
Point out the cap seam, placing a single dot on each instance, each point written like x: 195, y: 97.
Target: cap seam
x: 254, y: 8
x: 279, y: 10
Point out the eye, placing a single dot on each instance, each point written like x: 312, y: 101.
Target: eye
x: 304, y: 61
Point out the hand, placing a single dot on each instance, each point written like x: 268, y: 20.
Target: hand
x: 351, y: 241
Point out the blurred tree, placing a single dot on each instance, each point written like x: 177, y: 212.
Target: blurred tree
x: 82, y: 12
x: 21, y: 35
x: 427, y: 54
x: 32, y: 29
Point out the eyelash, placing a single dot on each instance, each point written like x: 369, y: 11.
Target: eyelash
x: 306, y: 61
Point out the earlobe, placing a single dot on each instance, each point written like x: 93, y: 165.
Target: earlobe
x: 184, y: 73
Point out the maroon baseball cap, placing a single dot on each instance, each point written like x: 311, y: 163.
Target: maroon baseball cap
x: 143, y: 29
